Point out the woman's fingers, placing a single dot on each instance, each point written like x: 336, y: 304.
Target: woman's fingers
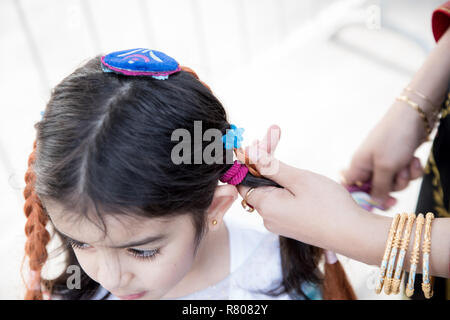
x: 265, y: 197
x: 402, y: 179
x: 360, y: 170
x: 382, y: 183
x: 261, y: 151
x: 271, y: 139
x: 269, y: 166
x: 390, y: 202
x: 412, y: 171
x: 415, y: 169
x: 261, y: 154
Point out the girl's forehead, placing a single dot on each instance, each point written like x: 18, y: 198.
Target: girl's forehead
x: 119, y: 228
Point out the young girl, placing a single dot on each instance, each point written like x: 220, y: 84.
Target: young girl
x: 135, y: 225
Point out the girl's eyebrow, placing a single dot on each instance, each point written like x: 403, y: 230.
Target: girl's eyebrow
x: 150, y: 239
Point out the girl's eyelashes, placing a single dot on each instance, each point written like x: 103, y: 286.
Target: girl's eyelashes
x: 144, y: 254
x: 139, y: 254
x: 77, y: 245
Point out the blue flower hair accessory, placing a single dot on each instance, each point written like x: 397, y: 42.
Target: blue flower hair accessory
x: 233, y: 137
x: 140, y: 62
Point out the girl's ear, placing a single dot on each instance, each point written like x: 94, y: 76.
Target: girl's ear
x: 224, y: 196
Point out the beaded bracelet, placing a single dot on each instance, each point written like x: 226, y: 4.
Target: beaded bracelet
x: 426, y: 248
x: 395, y: 247
x: 404, y: 246
x: 387, y: 251
x: 424, y: 97
x: 415, y: 255
x: 436, y: 110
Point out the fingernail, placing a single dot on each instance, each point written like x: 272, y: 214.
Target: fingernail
x: 277, y: 131
x: 264, y: 158
x: 341, y: 175
x: 417, y: 164
x: 253, y: 153
x: 391, y: 202
x: 404, y: 174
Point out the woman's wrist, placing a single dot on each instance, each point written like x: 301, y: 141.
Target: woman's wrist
x: 429, y: 85
x: 354, y: 233
x: 431, y: 108
x: 427, y: 125
x: 406, y: 115
x: 371, y: 245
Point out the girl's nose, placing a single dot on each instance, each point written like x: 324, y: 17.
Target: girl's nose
x: 110, y: 273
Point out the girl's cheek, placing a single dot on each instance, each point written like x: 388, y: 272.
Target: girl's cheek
x: 169, y: 271
x: 177, y: 268
x: 88, y: 263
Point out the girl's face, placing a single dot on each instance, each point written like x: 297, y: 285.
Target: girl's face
x: 137, y: 255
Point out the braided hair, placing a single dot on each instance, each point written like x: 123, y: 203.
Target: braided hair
x: 35, y: 229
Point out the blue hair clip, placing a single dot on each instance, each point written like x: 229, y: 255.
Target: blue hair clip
x: 233, y: 137
x: 140, y: 62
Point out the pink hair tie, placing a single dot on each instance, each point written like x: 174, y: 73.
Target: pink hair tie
x: 235, y: 174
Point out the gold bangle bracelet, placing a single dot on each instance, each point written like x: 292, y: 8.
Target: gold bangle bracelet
x: 419, y: 110
x: 393, y: 255
x: 387, y: 252
x: 414, y: 260
x: 403, y: 248
x: 426, y: 249
x: 424, y: 97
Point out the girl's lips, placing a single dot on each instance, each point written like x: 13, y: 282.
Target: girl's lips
x: 133, y: 296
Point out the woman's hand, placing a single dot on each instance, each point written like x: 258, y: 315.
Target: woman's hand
x: 307, y: 207
x: 316, y: 210
x: 386, y: 156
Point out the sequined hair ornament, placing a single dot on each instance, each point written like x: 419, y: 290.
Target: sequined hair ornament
x: 140, y: 62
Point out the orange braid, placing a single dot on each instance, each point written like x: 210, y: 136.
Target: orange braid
x: 336, y: 285
x: 37, y: 236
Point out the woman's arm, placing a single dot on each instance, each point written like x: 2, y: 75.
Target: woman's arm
x: 386, y: 155
x: 314, y: 209
x: 433, y: 78
x: 372, y: 231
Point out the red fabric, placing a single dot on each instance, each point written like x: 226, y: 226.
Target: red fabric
x: 440, y: 20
